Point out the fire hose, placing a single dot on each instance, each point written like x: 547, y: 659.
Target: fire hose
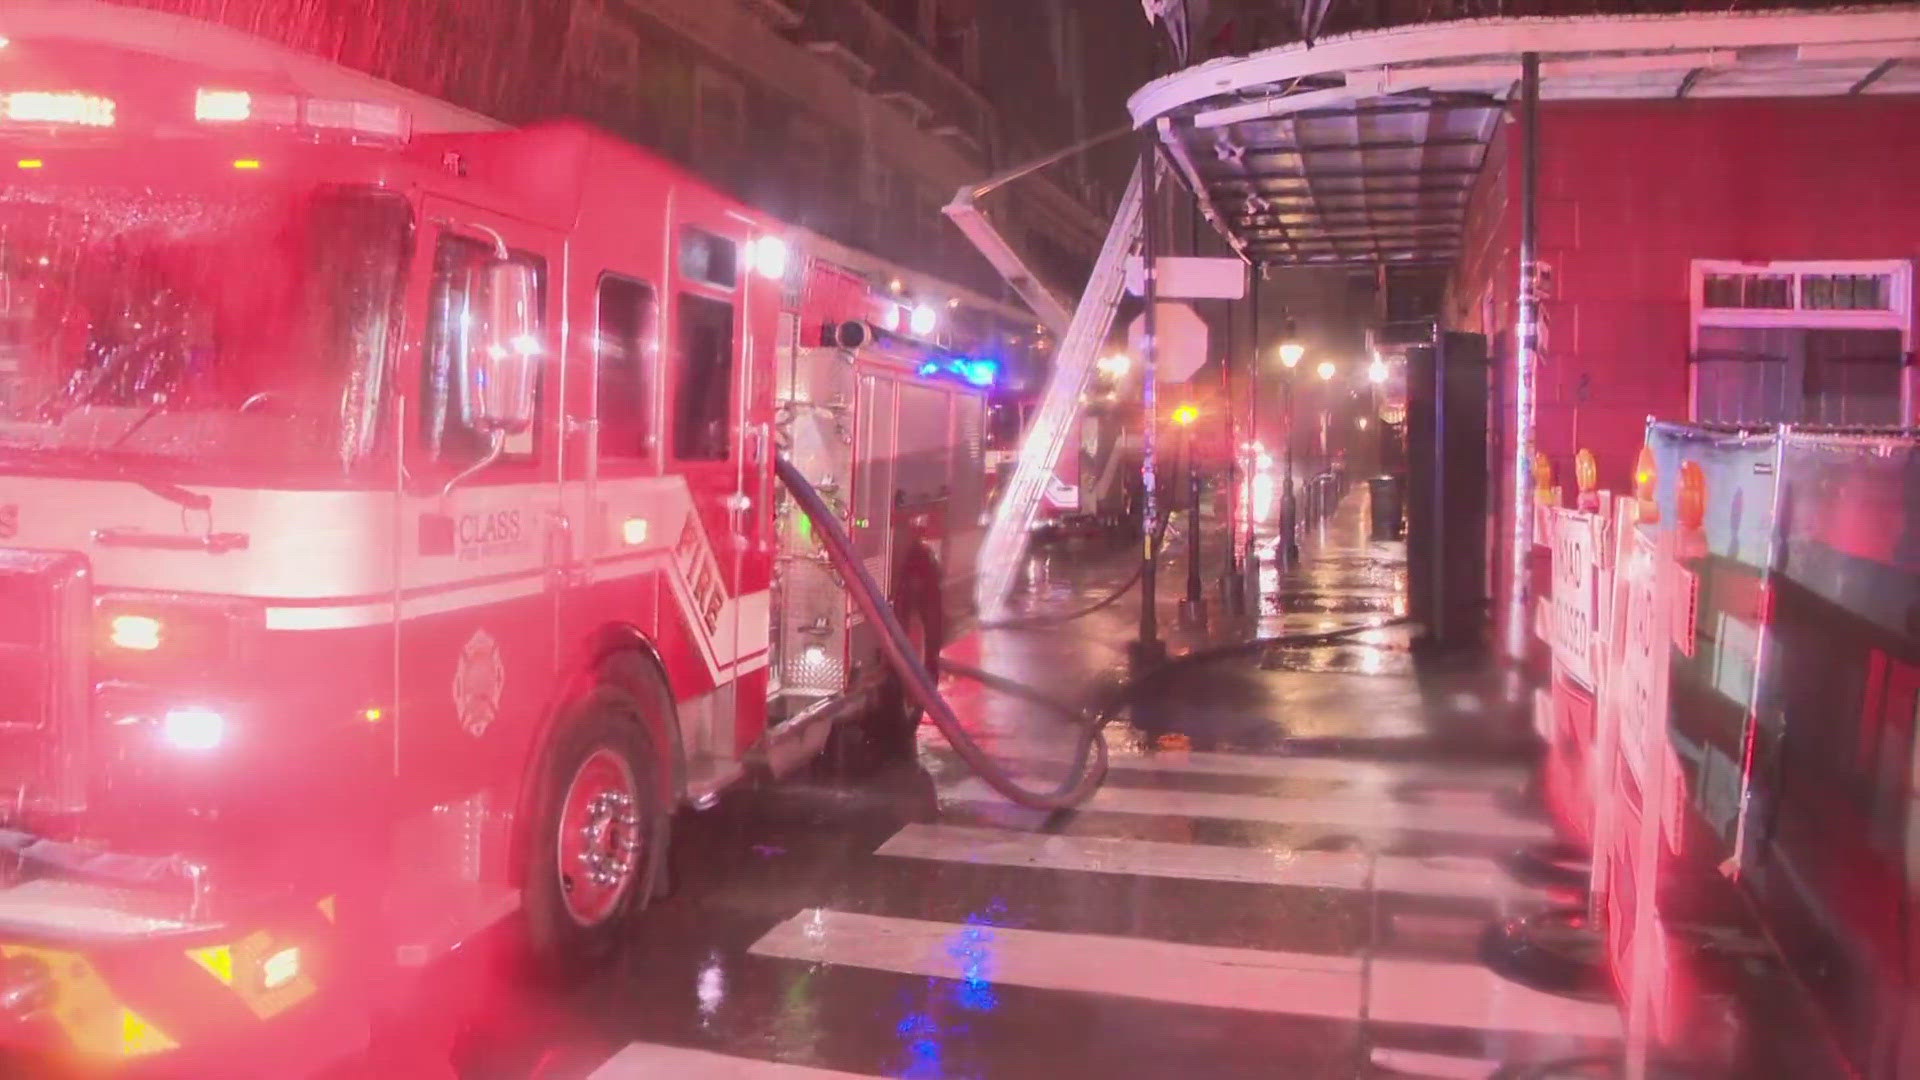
x: 1089, y: 766
x: 1041, y: 621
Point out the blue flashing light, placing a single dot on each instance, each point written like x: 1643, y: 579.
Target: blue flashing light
x: 974, y: 372
x: 980, y: 372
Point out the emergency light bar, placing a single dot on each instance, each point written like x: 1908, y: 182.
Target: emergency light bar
x: 212, y: 105
x: 979, y: 373
x: 54, y: 107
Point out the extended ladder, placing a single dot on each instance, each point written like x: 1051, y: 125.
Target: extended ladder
x: 1073, y: 366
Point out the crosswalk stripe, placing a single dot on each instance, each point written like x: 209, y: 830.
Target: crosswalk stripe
x: 1355, y: 772
x: 1298, y: 983
x: 1156, y: 858
x: 1399, y: 991
x: 652, y: 1060
x: 1432, y: 1066
x: 1340, y: 811
x: 1446, y: 877
x: 1470, y: 996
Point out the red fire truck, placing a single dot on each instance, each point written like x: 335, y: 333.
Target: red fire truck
x: 389, y: 541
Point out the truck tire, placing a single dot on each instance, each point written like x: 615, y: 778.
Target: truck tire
x: 595, y: 849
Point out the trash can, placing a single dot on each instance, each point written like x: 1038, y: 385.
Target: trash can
x: 1387, y: 508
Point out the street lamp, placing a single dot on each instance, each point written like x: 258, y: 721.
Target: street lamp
x: 1326, y: 370
x: 1193, y: 609
x: 1291, y: 351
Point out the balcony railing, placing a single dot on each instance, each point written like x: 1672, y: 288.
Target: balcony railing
x: 895, y: 65
x: 1245, y: 26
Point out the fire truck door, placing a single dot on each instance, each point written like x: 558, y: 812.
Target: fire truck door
x: 717, y: 438
x: 480, y: 536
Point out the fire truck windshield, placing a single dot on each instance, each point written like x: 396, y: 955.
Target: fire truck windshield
x: 198, y: 337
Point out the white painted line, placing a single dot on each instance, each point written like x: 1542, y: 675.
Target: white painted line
x: 1295, y: 983
x: 1439, y: 876
x: 1449, y: 875
x: 1470, y: 996
x: 1298, y: 984
x: 1343, y: 770
x: 1152, y: 858
x: 651, y: 1060
x: 1432, y: 1066
x: 1342, y: 811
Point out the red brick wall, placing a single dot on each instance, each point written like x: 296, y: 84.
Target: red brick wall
x: 1630, y: 193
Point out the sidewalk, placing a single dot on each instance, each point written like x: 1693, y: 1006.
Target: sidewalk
x: 1363, y: 694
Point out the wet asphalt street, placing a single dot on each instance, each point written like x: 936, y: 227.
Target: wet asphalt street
x: 1286, y: 875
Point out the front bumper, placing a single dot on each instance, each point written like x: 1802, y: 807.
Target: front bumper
x: 93, y: 980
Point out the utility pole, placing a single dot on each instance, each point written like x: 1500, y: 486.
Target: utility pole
x: 1148, y: 650
x: 1249, y: 565
x: 1233, y: 584
x: 1519, y: 626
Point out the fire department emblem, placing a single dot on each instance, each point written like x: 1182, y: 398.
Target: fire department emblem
x: 477, y: 682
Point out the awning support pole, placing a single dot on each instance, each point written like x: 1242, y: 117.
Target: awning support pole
x: 1525, y: 360
x: 1148, y: 650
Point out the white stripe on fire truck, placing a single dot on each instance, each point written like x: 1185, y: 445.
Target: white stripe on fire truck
x: 1383, y: 989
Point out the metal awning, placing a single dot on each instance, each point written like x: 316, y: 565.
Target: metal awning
x: 1363, y: 149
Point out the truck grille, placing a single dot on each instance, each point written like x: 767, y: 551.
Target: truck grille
x: 45, y: 601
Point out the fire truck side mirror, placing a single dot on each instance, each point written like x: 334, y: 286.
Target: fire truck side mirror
x: 507, y: 351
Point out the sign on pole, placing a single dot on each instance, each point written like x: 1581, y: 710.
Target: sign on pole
x: 1187, y: 277
x: 1180, y: 345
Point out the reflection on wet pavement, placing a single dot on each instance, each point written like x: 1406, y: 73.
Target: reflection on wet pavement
x: 1285, y: 875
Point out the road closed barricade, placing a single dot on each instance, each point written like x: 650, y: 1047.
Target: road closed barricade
x: 1730, y: 730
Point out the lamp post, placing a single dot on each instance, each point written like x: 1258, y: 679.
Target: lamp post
x: 1286, y: 550
x: 1193, y: 609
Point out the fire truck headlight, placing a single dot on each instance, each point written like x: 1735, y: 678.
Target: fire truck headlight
x: 769, y: 254
x: 193, y: 728
x: 923, y: 320
x: 140, y: 633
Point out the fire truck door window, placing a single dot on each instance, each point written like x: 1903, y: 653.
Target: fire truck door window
x: 703, y: 379
x: 455, y: 308
x: 626, y: 348
x: 709, y: 259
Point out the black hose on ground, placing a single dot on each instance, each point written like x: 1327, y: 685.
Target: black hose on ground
x: 1089, y: 767
x: 1050, y: 619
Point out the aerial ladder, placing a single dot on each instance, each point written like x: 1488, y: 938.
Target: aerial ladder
x: 1081, y: 331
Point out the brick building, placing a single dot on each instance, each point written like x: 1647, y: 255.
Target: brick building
x: 1711, y: 259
